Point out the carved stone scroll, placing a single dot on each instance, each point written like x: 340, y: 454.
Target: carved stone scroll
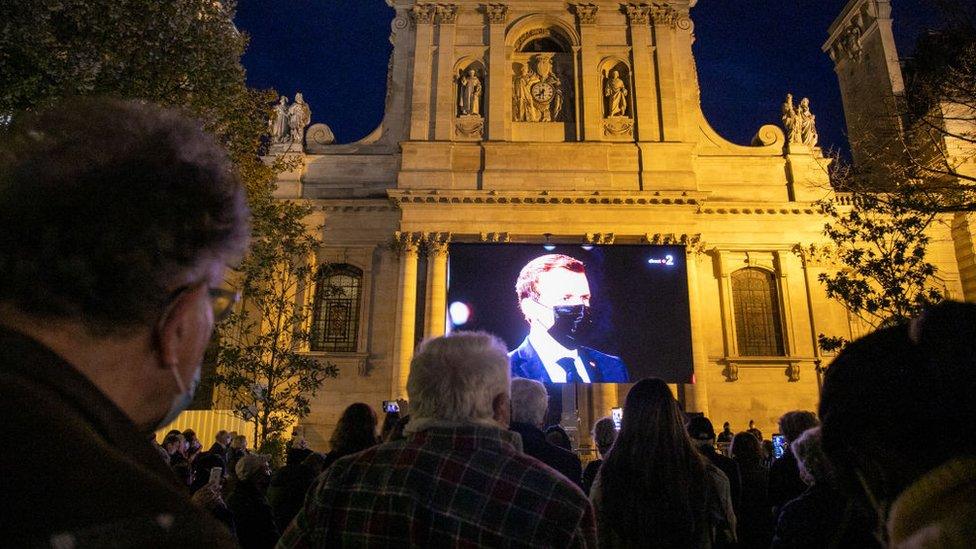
x: 497, y: 13
x: 586, y: 13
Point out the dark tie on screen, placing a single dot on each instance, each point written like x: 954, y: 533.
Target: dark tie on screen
x: 568, y: 364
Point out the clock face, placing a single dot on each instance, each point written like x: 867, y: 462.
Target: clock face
x: 542, y: 92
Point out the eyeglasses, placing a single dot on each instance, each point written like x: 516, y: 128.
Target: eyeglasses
x: 222, y: 300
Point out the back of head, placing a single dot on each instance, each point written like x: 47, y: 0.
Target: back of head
x: 810, y: 457
x: 355, y: 431
x: 604, y: 433
x: 653, y: 481
x: 106, y: 205
x: 746, y: 449
x: 700, y: 430
x: 457, y: 377
x: 557, y: 436
x: 899, y: 402
x: 792, y: 424
x: 529, y: 401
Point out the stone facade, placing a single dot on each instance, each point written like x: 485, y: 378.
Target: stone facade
x: 587, y: 128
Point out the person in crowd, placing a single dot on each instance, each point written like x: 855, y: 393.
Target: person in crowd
x: 557, y: 436
x: 159, y: 448
x: 529, y: 403
x: 725, y: 437
x: 238, y: 449
x: 821, y: 516
x: 703, y: 437
x: 175, y: 446
x: 754, y: 431
x: 211, y: 498
x: 752, y: 513
x: 604, y: 433
x: 253, y: 516
x: 784, y: 473
x: 289, y: 484
x: 355, y: 432
x: 397, y: 433
x: 458, y: 479
x: 655, y: 489
x: 897, y: 407
x: 118, y: 218
x: 193, y: 445
x: 221, y: 445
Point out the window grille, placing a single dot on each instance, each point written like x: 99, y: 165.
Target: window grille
x: 759, y: 330
x: 335, y: 315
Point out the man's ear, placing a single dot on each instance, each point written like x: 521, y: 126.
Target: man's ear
x: 501, y: 407
x: 180, y: 322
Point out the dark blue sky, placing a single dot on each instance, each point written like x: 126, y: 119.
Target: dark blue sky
x: 749, y: 54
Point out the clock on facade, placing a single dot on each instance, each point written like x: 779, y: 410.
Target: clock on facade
x: 542, y: 92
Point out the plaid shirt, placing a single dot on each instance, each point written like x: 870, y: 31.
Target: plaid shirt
x: 461, y: 486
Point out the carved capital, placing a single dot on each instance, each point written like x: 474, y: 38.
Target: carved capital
x: 406, y: 242
x: 599, y: 238
x: 693, y: 243
x: 446, y: 13
x: 497, y: 13
x: 637, y: 14
x: 435, y: 244
x: 495, y: 237
x: 423, y: 13
x: 665, y: 16
x: 814, y: 255
x: 586, y: 13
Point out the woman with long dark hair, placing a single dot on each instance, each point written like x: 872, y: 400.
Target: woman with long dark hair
x: 355, y: 432
x: 755, y: 522
x: 654, y: 489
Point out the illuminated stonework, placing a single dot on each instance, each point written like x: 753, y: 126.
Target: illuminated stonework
x: 644, y: 168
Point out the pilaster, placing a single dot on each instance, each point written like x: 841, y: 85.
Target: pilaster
x: 407, y: 246
x: 436, y: 283
x: 592, y: 92
x: 446, y: 95
x: 667, y: 73
x: 498, y: 78
x: 645, y: 79
x: 422, y: 16
x: 696, y: 392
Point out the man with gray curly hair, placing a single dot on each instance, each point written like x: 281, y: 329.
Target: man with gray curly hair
x: 457, y: 479
x: 529, y: 404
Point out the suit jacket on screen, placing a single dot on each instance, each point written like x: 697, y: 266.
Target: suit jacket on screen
x: 601, y: 367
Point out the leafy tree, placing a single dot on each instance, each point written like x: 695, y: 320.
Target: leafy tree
x: 880, y: 247
x: 261, y: 363
x: 186, y: 53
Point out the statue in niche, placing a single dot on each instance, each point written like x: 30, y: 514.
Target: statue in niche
x: 615, y: 91
x: 470, y: 89
x: 278, y: 124
x: 808, y: 124
x: 538, y: 92
x: 799, y: 123
x: 299, y: 116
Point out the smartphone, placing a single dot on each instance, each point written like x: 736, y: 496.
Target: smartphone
x: 216, y: 475
x: 779, y: 445
x: 391, y: 406
x: 617, y: 415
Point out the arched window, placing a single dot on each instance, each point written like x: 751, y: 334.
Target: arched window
x: 759, y: 331
x: 335, y: 314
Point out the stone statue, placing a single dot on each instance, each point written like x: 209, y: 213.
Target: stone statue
x: 469, y: 88
x: 523, y: 107
x: 616, y: 92
x: 791, y: 124
x: 808, y: 124
x: 537, y: 93
x: 299, y: 116
x: 278, y: 124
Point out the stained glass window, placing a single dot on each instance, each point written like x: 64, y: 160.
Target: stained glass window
x: 759, y: 331
x: 335, y: 315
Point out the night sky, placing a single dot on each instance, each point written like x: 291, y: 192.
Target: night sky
x: 749, y: 54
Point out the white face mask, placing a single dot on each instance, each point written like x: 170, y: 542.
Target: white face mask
x: 182, y: 400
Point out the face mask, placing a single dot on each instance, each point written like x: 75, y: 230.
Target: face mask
x: 182, y: 400
x: 568, y: 322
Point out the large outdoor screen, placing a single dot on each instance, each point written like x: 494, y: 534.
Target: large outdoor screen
x: 577, y: 314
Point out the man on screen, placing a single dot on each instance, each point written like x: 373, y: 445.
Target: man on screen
x: 554, y: 297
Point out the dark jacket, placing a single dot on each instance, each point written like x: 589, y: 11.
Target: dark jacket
x: 822, y: 517
x: 728, y: 466
x: 534, y: 444
x: 82, y: 468
x: 256, y: 527
x: 753, y: 514
x: 784, y: 481
x: 601, y: 367
x: 589, y: 474
x: 287, y: 492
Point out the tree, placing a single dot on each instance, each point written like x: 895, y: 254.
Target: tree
x: 262, y: 365
x: 880, y: 247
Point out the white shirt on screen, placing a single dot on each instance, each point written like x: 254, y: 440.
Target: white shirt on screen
x: 550, y: 351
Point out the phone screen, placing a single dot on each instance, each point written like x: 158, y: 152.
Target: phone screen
x: 216, y: 475
x: 617, y: 414
x: 779, y: 446
x: 391, y: 406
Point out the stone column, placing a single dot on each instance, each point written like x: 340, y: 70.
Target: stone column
x: 407, y: 245
x: 498, y: 76
x: 664, y: 53
x: 590, y: 73
x: 423, y: 18
x: 645, y: 80
x: 437, y: 284
x: 696, y: 394
x: 446, y: 92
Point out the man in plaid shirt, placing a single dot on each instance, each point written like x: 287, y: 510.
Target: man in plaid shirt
x: 458, y: 480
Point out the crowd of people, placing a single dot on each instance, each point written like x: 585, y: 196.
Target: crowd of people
x: 118, y: 219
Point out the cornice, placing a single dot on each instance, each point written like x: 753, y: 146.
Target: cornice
x: 402, y: 197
